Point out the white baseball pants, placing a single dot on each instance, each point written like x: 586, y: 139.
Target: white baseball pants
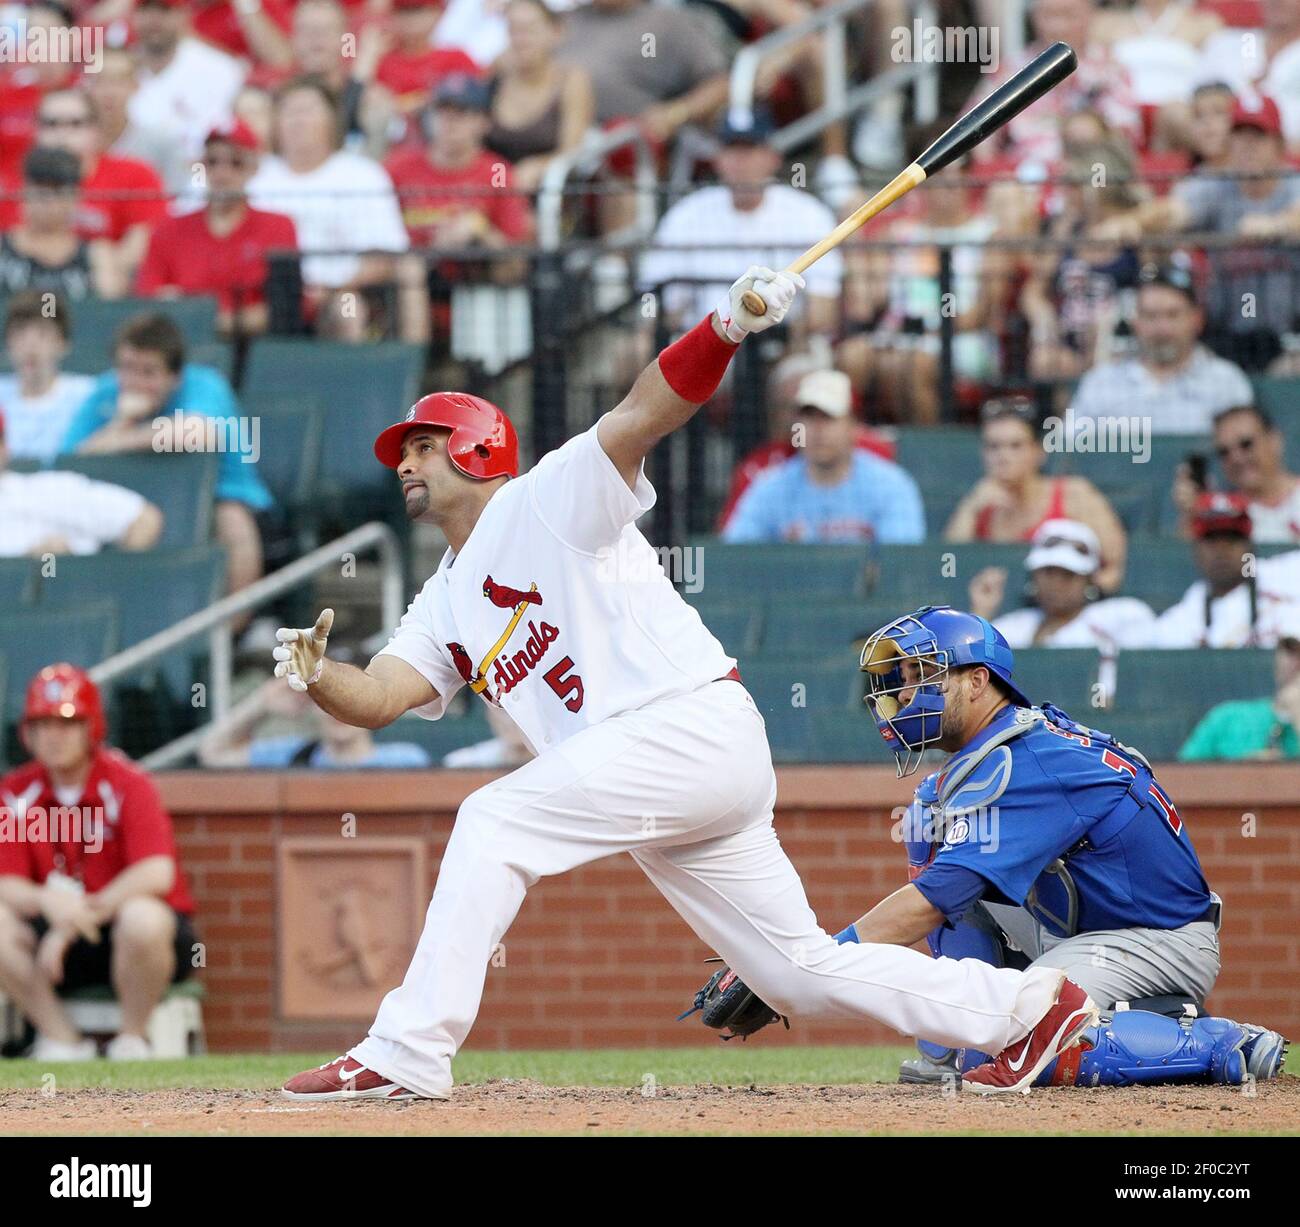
x: 686, y: 786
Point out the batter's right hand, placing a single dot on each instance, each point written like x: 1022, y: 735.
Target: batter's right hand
x: 300, y: 656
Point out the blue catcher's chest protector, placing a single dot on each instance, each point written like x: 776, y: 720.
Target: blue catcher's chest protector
x: 1062, y: 820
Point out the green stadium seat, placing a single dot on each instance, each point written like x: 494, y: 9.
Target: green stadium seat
x: 941, y: 458
x: 939, y: 572
x: 361, y: 389
x: 755, y: 572
x: 846, y: 737
x: 289, y: 463
x: 828, y: 684
x: 17, y: 581
x: 32, y: 639
x: 1064, y: 676
x: 735, y: 623
x: 153, y: 589
x: 180, y: 485
x: 1140, y: 493
x: 95, y: 323
x: 1279, y: 396
x: 1158, y: 736
x: 828, y: 627
x: 1191, y: 680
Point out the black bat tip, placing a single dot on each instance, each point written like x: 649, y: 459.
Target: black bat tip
x: 1064, y: 53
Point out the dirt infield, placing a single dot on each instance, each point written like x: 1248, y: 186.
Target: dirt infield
x: 508, y: 1106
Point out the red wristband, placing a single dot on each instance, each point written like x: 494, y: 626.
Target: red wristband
x: 693, y: 366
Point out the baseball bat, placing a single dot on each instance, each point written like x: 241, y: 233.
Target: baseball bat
x: 1045, y: 71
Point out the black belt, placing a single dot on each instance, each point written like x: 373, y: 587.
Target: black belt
x: 1211, y: 914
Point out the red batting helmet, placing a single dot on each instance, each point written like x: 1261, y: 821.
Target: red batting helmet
x: 65, y: 692
x: 482, y: 444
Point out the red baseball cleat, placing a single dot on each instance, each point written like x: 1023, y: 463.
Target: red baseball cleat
x: 344, y: 1078
x: 1016, y: 1067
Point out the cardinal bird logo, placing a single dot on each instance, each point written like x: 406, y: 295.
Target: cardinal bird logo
x: 460, y: 657
x: 509, y: 598
x: 507, y: 672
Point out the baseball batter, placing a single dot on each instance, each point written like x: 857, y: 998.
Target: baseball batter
x: 646, y: 740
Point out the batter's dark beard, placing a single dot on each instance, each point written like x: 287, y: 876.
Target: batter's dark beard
x: 420, y: 505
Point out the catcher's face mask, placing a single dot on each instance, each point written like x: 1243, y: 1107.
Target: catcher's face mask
x: 906, y: 675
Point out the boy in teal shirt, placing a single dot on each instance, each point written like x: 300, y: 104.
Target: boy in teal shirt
x: 153, y: 400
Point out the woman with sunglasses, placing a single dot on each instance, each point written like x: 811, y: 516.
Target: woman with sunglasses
x: 1014, y: 498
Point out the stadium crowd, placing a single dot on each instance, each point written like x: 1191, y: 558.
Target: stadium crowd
x: 1127, y: 248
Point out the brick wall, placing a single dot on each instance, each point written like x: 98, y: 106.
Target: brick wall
x: 597, y: 958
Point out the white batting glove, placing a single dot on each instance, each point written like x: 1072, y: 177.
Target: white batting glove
x: 300, y: 656
x: 775, y: 289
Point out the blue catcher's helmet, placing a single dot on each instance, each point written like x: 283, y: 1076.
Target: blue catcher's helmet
x: 938, y: 638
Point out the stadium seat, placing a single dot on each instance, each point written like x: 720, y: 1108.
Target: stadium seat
x: 939, y: 572
x: 941, y: 457
x: 792, y: 686
x: 180, y: 485
x: 153, y: 590
x: 1191, y: 680
x: 1140, y: 492
x: 736, y: 624
x: 752, y: 572
x: 30, y: 639
x: 828, y: 627
x: 360, y: 388
x: 846, y: 737
x: 17, y: 581
x: 1064, y: 676
x: 291, y: 447
x: 1157, y: 736
x: 95, y: 323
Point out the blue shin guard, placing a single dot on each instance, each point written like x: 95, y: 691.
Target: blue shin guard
x: 1135, y: 1048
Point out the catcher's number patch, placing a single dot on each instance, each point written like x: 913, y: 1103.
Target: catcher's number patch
x: 958, y: 833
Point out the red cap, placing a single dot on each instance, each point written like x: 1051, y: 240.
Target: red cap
x: 1259, y: 112
x: 1221, y: 513
x: 483, y: 444
x: 65, y: 692
x: 235, y: 132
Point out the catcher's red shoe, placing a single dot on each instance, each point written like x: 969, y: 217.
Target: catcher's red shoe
x: 1016, y: 1066
x: 344, y: 1078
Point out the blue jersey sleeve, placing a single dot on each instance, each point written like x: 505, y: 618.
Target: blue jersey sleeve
x: 950, y: 888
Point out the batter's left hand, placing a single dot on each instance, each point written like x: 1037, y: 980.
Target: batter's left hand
x: 775, y: 289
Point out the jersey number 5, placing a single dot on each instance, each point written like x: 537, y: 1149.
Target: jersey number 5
x: 569, y: 688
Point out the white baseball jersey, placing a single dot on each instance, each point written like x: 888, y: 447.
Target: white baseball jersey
x: 1184, y: 625
x: 557, y: 607
x: 1105, y: 625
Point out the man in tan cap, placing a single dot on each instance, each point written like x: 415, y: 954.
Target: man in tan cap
x: 829, y: 490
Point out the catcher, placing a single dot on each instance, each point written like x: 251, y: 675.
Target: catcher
x: 1040, y: 843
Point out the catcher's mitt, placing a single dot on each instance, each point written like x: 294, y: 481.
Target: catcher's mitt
x: 730, y: 1006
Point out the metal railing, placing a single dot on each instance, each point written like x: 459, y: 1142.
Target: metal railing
x: 596, y: 146
x: 215, y: 622
x: 840, y: 99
